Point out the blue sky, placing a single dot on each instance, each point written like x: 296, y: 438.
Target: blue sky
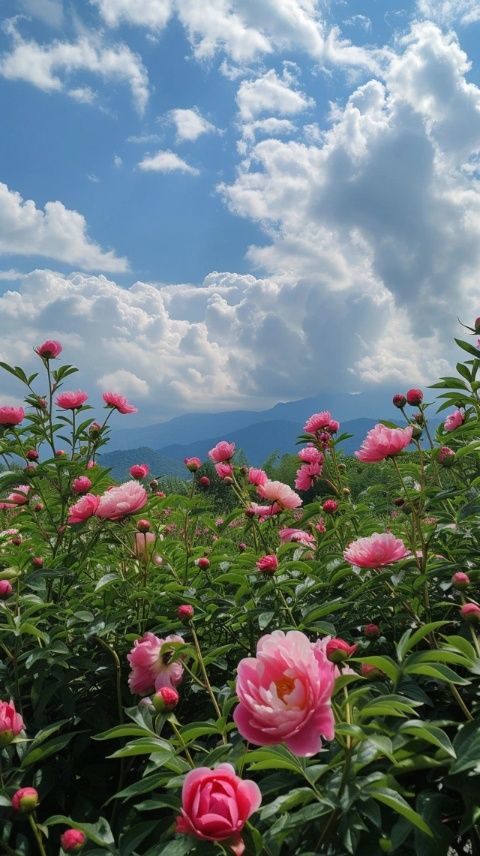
x: 240, y: 201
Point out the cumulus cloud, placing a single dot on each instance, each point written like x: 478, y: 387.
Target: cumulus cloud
x: 271, y: 93
x: 450, y: 11
x: 56, y: 232
x: 147, y: 13
x: 166, y: 161
x: 50, y: 66
x: 190, y: 124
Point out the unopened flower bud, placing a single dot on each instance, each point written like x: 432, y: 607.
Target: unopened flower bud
x: 37, y: 561
x: 371, y: 631
x: 371, y: 672
x: 470, y: 612
x: 446, y: 456
x: 414, y: 397
x: 330, y: 506
x: 185, y: 612
x: 165, y: 699
x: 203, y: 563
x: 143, y: 525
x: 32, y: 455
x: 337, y: 650
x: 25, y: 800
x: 72, y: 840
x: 204, y: 481
x: 6, y: 589
x: 399, y: 400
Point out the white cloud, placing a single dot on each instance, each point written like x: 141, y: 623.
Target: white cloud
x: 271, y: 94
x: 117, y: 161
x: 190, y: 124
x: 166, y: 161
x: 55, y: 232
x: 49, y: 11
x: 449, y: 12
x: 50, y: 66
x: 146, y: 13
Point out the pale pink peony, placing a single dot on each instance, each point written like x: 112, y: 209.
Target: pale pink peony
x: 216, y: 805
x: 382, y: 442
x: 139, y: 471
x: 376, y: 551
x: 257, y: 476
x: 10, y: 416
x: 256, y: 510
x: 71, y: 400
x: 19, y: 495
x: 118, y: 402
x: 83, y: 509
x: 11, y: 723
x: 454, y: 421
x: 285, y: 694
x: 49, y: 350
x: 224, y: 471
x: 307, y: 475
x: 81, y: 485
x: 222, y: 452
x: 127, y: 498
x: 296, y: 535
x: 318, y: 422
x: 150, y: 668
x: 279, y: 493
x: 310, y: 455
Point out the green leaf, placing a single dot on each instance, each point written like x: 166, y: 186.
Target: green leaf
x: 409, y: 639
x: 393, y: 800
x: 430, y: 733
x: 127, y: 730
x: 99, y: 832
x: 466, y: 346
x: 105, y: 581
x: 178, y: 847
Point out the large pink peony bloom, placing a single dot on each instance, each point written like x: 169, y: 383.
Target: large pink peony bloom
x: 382, y: 442
x: 71, y: 400
x: 257, y: 476
x: 118, y: 402
x: 11, y: 723
x: 82, y: 510
x: 285, y: 694
x: 318, y: 422
x: 150, y: 668
x: 296, y: 535
x: 216, y: 805
x: 127, y: 498
x: 376, y: 551
x: 279, y: 493
x: 10, y: 416
x: 311, y: 455
x: 222, y: 452
x: 454, y: 421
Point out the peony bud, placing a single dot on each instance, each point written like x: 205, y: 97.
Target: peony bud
x: 192, y: 464
x: 32, y: 455
x: 399, y: 501
x: 477, y: 325
x: 242, y: 547
x: 81, y: 485
x: 16, y: 541
x: 38, y: 506
x: 139, y: 471
x: 37, y: 561
x: 25, y: 800
x: 165, y: 699
x: 414, y: 397
x: 60, y: 453
x: 446, y: 456
x: 72, y: 840
x: 267, y: 564
x: 337, y: 650
x: 203, y: 563
x: 154, y: 484
x: 6, y: 589
x: 371, y: 672
x: 330, y: 506
x: 143, y: 525
x: 371, y: 631
x: 29, y: 469
x: 204, y: 481
x: 460, y: 580
x: 416, y: 431
x: 399, y: 400
x: 470, y: 612
x: 185, y: 612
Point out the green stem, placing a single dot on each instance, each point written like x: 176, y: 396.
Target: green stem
x: 37, y: 834
x: 208, y: 685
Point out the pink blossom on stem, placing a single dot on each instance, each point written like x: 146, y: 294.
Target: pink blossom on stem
x: 267, y: 564
x: 49, y: 350
x: 257, y: 476
x: 11, y: 723
x: 296, y: 535
x: 222, y: 452
x: 318, y: 422
x: 307, y: 475
x: 192, y: 464
x: 376, y: 551
x: 10, y: 416
x: 118, y: 402
x: 224, y: 471
x: 454, y: 420
x: 117, y: 503
x: 382, y: 442
x: 151, y: 664
x: 19, y: 495
x: 139, y: 471
x: 81, y: 485
x: 279, y: 493
x: 311, y: 455
x: 83, y: 509
x: 71, y: 400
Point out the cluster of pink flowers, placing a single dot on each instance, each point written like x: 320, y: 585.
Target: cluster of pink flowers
x: 114, y: 504
x: 221, y: 455
x: 151, y: 664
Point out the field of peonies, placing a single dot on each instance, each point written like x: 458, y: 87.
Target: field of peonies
x: 290, y: 678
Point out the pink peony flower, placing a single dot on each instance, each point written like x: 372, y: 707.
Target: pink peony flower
x: 257, y: 476
x: 6, y: 589
x: 285, y: 694
x: 49, y: 350
x: 223, y: 451
x: 192, y: 464
x: 72, y: 840
x: 307, y: 475
x: 333, y: 426
x: 118, y: 402
x: 11, y: 723
x: 279, y: 493
x: 10, y: 416
x: 311, y: 455
x: 81, y: 485
x: 216, y: 805
x: 376, y: 551
x: 267, y: 564
x: 382, y: 442
x: 19, y: 495
x: 296, y: 535
x: 317, y: 422
x: 150, y: 668
x: 330, y: 506
x: 165, y: 699
x: 71, y: 400
x: 25, y: 800
x: 337, y: 650
x: 446, y: 456
x: 454, y: 421
x: 127, y: 498
x: 256, y: 510
x: 460, y: 580
x: 185, y: 612
x: 224, y: 471
x: 139, y: 471
x: 82, y: 510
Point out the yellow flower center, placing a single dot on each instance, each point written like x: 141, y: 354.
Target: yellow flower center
x: 284, y: 686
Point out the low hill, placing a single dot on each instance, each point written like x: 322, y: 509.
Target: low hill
x: 121, y: 460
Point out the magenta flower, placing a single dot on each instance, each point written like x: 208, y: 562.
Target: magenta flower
x: 307, y: 475
x: 279, y: 493
x: 49, y: 350
x: 216, y: 805
x: 82, y: 510
x: 318, y: 422
x: 222, y: 452
x: 10, y: 416
x: 118, y: 402
x: 117, y: 503
x: 224, y: 471
x: 310, y: 455
x: 285, y: 694
x: 152, y: 669
x: 376, y: 551
x: 71, y: 400
x: 72, y: 840
x: 139, y: 471
x: 257, y: 476
x: 382, y: 442
x: 11, y: 723
x: 267, y: 564
x: 296, y: 535
x: 454, y: 421
x: 81, y: 485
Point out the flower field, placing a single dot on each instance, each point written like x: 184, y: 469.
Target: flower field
x: 281, y: 676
